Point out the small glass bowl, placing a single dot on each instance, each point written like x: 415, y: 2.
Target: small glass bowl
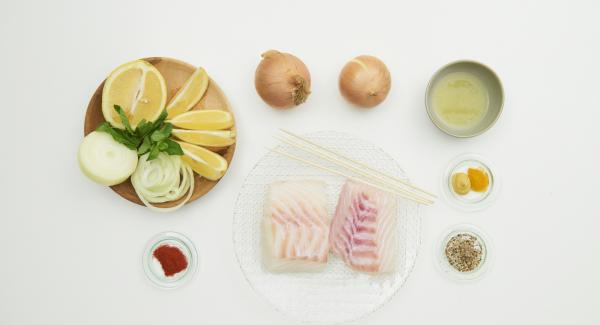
x: 472, y: 201
x: 451, y: 272
x: 152, y: 266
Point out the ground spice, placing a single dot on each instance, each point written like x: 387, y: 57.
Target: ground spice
x: 171, y: 259
x: 464, y: 252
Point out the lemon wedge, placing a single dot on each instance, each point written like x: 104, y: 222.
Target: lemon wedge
x: 206, y: 119
x: 204, y: 162
x: 140, y: 90
x: 190, y: 94
x: 208, y: 138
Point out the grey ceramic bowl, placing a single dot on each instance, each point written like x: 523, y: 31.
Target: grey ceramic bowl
x: 490, y: 81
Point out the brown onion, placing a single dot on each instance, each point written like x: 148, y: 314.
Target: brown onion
x: 365, y: 81
x: 282, y: 80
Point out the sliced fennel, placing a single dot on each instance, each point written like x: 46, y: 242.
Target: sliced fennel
x: 164, y: 179
x: 104, y: 160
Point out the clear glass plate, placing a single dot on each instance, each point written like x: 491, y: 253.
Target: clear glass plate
x: 336, y: 294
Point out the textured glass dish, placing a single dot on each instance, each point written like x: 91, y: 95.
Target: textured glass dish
x: 152, y: 266
x: 337, y: 293
x: 473, y: 201
x: 451, y: 272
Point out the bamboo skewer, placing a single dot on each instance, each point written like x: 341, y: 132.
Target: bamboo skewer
x: 381, y: 185
x: 351, y: 164
x: 406, y: 195
x: 357, y: 167
x: 340, y: 162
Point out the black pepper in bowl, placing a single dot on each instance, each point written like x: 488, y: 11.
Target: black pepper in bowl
x: 464, y: 252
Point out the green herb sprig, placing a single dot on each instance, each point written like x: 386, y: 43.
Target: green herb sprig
x: 148, y: 137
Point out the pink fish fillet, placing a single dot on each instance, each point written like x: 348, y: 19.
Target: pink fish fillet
x: 364, y: 229
x: 296, y: 226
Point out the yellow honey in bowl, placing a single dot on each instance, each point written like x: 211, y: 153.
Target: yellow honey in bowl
x: 460, y: 100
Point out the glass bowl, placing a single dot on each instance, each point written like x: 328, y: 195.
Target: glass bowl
x: 472, y: 201
x: 451, y: 272
x: 154, y: 270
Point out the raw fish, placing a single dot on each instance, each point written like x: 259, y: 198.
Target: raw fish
x: 364, y: 229
x: 296, y: 226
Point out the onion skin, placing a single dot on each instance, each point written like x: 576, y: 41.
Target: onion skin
x: 282, y: 80
x: 365, y: 81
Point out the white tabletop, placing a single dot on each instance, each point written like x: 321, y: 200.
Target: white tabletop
x: 71, y: 250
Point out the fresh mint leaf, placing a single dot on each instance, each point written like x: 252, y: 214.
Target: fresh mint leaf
x: 124, y: 118
x: 162, y: 133
x: 159, y: 121
x: 119, y: 135
x: 145, y: 146
x: 162, y: 146
x: 153, y: 152
x: 144, y: 128
x: 173, y: 148
x: 104, y: 127
x: 150, y: 138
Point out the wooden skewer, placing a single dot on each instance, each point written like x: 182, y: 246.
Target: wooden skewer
x: 406, y: 195
x: 349, y: 163
x: 361, y: 172
x: 382, y: 184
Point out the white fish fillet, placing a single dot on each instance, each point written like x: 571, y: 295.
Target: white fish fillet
x: 364, y: 229
x: 296, y: 226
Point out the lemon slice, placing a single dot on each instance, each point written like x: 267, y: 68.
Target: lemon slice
x: 190, y: 94
x: 208, y: 138
x: 140, y: 90
x: 204, y: 162
x: 206, y: 119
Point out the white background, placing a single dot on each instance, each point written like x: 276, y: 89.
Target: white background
x: 70, y: 250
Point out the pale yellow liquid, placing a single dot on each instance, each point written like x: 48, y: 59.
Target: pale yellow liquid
x: 460, y: 100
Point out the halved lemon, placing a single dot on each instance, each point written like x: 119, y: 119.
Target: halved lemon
x: 204, y: 162
x: 207, y: 138
x: 205, y: 119
x: 190, y: 94
x: 140, y: 90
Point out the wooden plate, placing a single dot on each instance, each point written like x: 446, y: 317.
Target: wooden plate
x: 175, y: 73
